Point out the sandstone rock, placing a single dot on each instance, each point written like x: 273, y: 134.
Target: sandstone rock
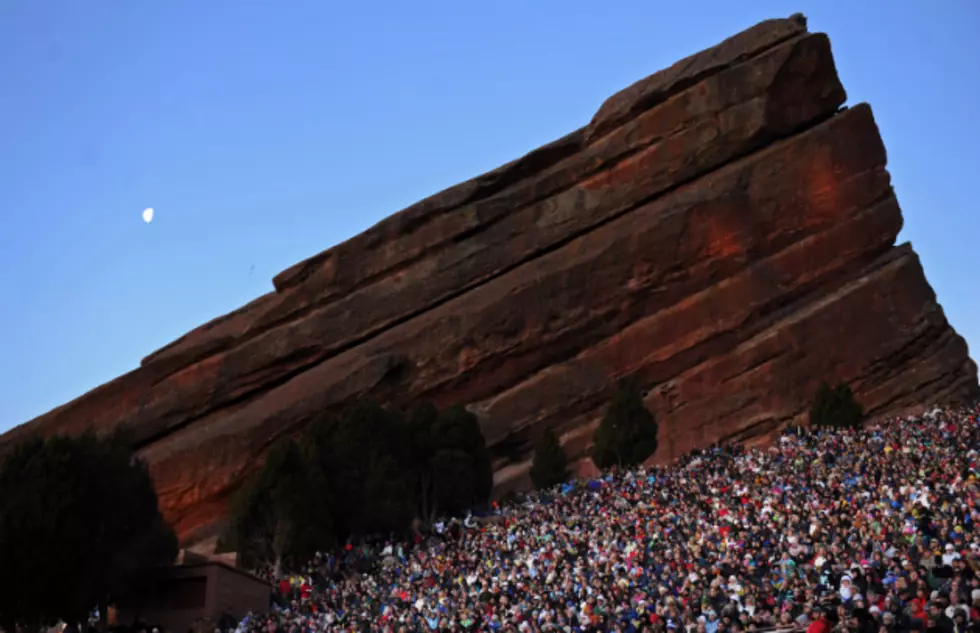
x: 720, y: 231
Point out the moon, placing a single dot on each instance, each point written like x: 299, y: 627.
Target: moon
x: 148, y: 215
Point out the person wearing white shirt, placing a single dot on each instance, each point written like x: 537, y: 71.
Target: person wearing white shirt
x: 950, y: 555
x: 955, y: 605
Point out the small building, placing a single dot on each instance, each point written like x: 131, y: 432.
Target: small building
x: 197, y: 588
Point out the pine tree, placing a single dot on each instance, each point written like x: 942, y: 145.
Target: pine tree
x: 627, y: 434
x: 549, y: 466
x: 79, y: 524
x: 836, y: 407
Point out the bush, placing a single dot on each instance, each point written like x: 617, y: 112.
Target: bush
x: 836, y: 407
x: 627, y: 435
x: 549, y: 466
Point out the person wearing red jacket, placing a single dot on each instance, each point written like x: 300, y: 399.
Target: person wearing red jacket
x: 820, y: 624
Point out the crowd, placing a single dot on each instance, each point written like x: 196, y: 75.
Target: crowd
x: 831, y: 531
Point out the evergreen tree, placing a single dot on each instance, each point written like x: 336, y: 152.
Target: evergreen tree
x: 283, y: 510
x: 627, y: 434
x: 453, y: 481
x: 364, y: 454
x: 79, y: 521
x: 367, y: 471
x: 449, y: 458
x: 549, y: 466
x: 836, y: 407
x: 456, y: 429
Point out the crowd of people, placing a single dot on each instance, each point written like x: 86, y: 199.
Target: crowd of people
x: 829, y: 531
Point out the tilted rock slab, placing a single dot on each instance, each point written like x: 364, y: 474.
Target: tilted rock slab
x: 723, y: 232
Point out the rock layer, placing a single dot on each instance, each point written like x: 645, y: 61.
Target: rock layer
x: 722, y: 232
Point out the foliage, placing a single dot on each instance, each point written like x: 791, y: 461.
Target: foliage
x: 79, y: 520
x: 455, y: 435
x: 369, y: 470
x: 453, y: 480
x: 362, y: 451
x: 549, y: 466
x: 627, y: 434
x: 836, y: 407
x: 280, y: 511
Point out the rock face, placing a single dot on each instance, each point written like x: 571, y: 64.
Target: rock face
x: 722, y: 231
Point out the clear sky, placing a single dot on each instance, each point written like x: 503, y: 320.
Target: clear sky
x: 263, y: 132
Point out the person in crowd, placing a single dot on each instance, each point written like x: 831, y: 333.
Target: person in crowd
x: 826, y: 530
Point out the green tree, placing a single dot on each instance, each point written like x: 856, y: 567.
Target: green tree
x: 454, y: 481
x: 549, y: 466
x: 462, y: 432
x: 369, y: 470
x: 627, y: 434
x: 283, y: 510
x: 363, y: 451
x: 421, y: 464
x: 457, y: 450
x: 420, y: 448
x: 79, y: 521
x: 836, y: 407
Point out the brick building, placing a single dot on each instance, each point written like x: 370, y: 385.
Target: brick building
x: 198, y: 588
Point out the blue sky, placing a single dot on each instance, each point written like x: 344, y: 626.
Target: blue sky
x: 263, y: 132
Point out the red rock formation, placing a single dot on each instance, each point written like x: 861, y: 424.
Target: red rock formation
x: 721, y: 231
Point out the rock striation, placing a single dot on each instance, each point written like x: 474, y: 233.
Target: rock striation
x: 722, y: 231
